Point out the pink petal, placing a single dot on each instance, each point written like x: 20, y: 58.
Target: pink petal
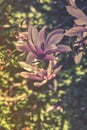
x: 30, y: 32
x: 57, y: 70
x: 72, y: 3
x: 78, y: 57
x: 30, y: 57
x: 60, y: 48
x: 75, y: 31
x: 50, y: 47
x: 81, y: 21
x: 26, y: 66
x: 48, y: 57
x: 31, y: 76
x: 39, y: 84
x: 31, y: 46
x: 56, y: 31
x: 56, y: 38
x: 63, y: 48
x: 75, y: 12
x: 54, y: 73
x: 34, y: 36
x: 22, y: 47
x: 42, y: 36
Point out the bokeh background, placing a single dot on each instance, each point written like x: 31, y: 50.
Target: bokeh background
x: 22, y: 106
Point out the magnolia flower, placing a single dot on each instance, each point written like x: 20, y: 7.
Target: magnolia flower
x: 79, y: 30
x: 38, y: 46
x: 40, y: 76
x: 78, y: 14
x: 80, y: 27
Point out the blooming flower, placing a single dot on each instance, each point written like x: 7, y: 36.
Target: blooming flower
x: 79, y: 30
x: 40, y: 76
x: 80, y: 26
x: 38, y: 46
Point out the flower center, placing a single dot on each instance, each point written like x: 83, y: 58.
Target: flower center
x: 41, y: 56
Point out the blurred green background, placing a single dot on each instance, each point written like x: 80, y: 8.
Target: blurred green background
x: 22, y: 106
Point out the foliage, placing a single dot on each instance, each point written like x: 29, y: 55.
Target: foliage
x: 61, y: 105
